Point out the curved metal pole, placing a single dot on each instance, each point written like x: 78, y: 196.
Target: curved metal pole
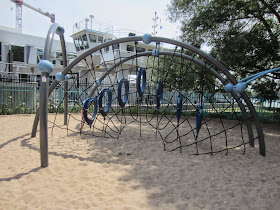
x: 249, y: 77
x: 149, y: 53
x: 43, y: 108
x: 49, y: 41
x: 50, y: 35
x: 209, y: 58
x: 139, y: 38
x: 64, y: 56
x: 241, y: 86
x: 256, y: 76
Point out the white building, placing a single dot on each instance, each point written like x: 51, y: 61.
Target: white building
x: 89, y: 33
x: 20, y: 54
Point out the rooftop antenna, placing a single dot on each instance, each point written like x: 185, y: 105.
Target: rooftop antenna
x: 91, y: 18
x: 155, y: 24
x: 86, y: 22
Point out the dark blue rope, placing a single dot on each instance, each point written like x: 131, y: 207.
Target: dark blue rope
x: 109, y: 101
x: 124, y: 100
x: 140, y: 89
x: 85, y: 110
x: 198, y: 121
x: 159, y: 93
x: 179, y: 107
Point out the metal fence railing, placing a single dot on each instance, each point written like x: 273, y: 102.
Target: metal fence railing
x: 17, y: 97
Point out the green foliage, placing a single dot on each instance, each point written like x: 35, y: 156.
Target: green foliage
x: 54, y: 109
x: 72, y: 109
x: 183, y: 75
x: 263, y: 90
x: 19, y: 109
x: 243, y: 34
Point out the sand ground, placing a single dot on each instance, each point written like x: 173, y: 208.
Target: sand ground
x: 131, y: 172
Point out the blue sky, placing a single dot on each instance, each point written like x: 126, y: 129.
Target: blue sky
x: 122, y: 14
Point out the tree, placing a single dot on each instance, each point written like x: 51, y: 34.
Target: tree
x: 264, y: 92
x: 183, y: 75
x: 243, y: 34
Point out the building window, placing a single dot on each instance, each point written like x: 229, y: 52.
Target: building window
x: 18, y: 53
x: 107, y: 48
x: 85, y: 42
x: 53, y: 62
x: 76, y: 42
x: 92, y: 38
x: 53, y: 54
x: 100, y: 39
x: 130, y: 48
x: 80, y: 43
x: 58, y: 55
x: 39, y: 55
x: 140, y: 49
x: 116, y: 46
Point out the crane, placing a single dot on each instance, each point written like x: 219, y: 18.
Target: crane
x: 19, y: 4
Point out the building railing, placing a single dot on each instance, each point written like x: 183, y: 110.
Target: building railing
x: 91, y: 24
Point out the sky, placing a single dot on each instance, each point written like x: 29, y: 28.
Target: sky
x: 122, y: 14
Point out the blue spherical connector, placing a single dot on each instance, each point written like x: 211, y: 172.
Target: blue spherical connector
x: 60, y: 30
x: 59, y: 77
x: 147, y: 38
x: 239, y: 88
x: 155, y: 52
x: 67, y: 77
x: 228, y: 87
x: 45, y: 66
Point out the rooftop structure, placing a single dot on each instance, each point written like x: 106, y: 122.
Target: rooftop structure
x: 89, y: 33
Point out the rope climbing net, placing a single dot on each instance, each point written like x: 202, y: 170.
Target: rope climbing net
x: 175, y: 89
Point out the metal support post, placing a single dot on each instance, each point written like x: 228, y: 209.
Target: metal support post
x: 44, y: 84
